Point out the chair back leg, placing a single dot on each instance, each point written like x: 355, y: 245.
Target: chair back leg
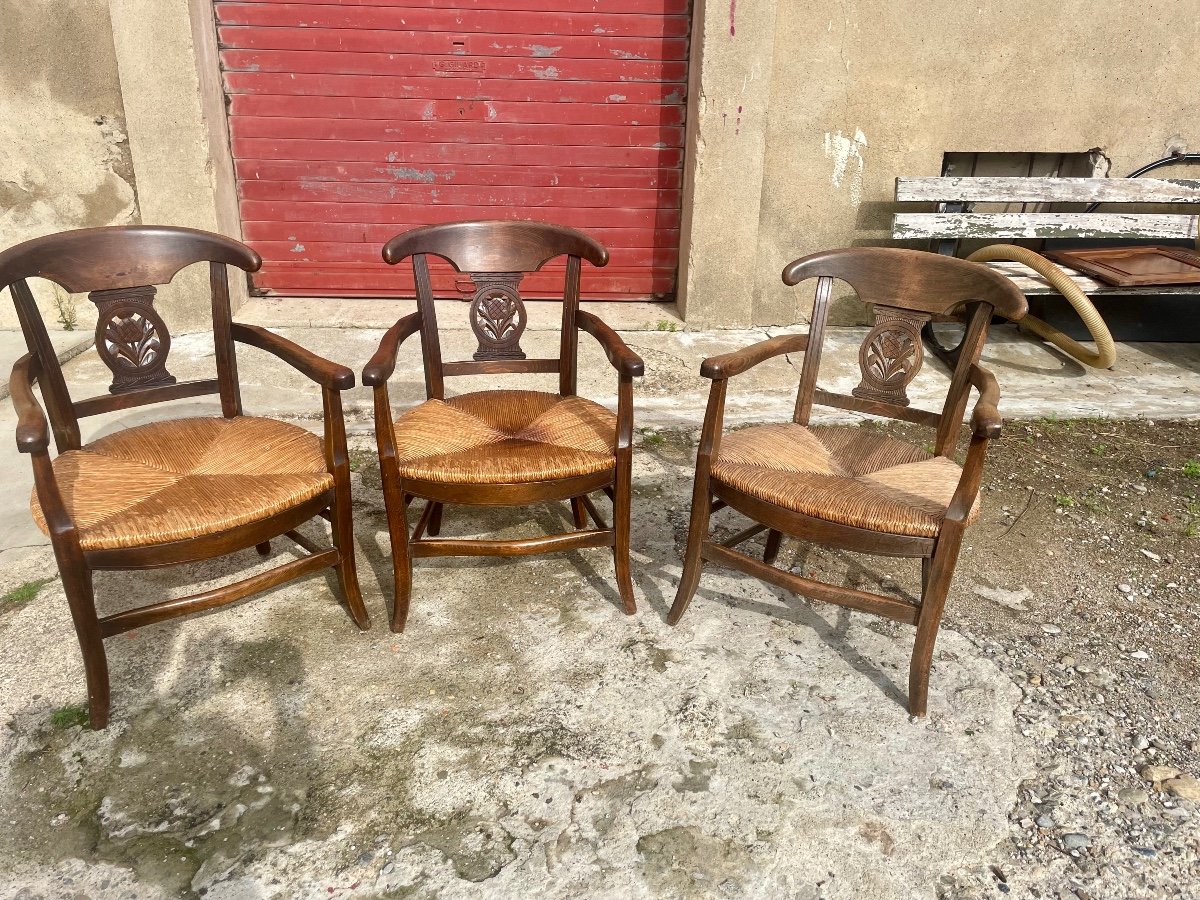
x: 774, y: 539
x: 435, y: 520
x: 578, y: 512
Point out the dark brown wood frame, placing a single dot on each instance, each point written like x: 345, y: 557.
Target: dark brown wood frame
x: 131, y: 259
x: 907, y: 282
x: 509, y: 248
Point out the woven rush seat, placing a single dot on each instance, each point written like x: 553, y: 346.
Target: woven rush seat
x: 849, y: 476
x: 505, y: 437
x: 186, y: 478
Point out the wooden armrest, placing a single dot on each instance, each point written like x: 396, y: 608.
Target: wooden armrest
x: 325, y: 373
x: 380, y: 367
x: 985, y: 418
x: 623, y: 359
x: 33, y: 434
x: 729, y: 364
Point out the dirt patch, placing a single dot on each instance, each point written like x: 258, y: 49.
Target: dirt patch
x: 1082, y: 581
x: 525, y: 738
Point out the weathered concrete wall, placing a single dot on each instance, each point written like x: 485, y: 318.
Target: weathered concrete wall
x: 861, y: 91
x: 97, y: 96
x: 803, y: 113
x: 173, y: 148
x: 63, y: 145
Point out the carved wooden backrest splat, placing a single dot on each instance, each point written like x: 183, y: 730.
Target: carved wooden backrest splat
x: 132, y: 338
x: 498, y: 315
x: 891, y: 355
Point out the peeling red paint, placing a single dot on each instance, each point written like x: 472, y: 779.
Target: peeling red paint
x: 522, y: 109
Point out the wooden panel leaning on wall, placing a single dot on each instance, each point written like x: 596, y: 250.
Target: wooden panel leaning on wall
x: 852, y: 488
x: 174, y: 491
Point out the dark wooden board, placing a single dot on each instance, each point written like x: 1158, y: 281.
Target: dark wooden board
x: 1134, y: 266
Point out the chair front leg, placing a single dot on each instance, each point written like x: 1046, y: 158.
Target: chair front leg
x: 341, y: 512
x: 938, y: 571
x: 936, y: 577
x: 710, y: 439
x: 689, y: 580
x: 395, y: 504
x: 77, y: 583
x: 622, y: 493
x: 397, y: 517
x: 622, y: 505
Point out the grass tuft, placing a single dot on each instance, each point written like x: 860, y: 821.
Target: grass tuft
x: 25, y: 592
x: 69, y: 716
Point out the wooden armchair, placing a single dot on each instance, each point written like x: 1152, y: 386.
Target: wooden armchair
x: 174, y: 491
x: 852, y: 488
x: 501, y: 447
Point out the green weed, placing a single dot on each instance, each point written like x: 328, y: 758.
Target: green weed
x: 69, y: 716
x: 25, y: 592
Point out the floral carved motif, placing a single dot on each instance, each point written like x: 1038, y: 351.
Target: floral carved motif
x: 132, y: 338
x: 498, y: 315
x: 891, y: 355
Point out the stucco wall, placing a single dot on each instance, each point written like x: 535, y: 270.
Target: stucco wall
x: 110, y: 113
x: 64, y: 151
x: 802, y: 114
x: 860, y: 91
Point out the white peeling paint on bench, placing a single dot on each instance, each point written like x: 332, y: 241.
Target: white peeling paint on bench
x: 1046, y: 190
x: 994, y: 226
x: 1031, y: 283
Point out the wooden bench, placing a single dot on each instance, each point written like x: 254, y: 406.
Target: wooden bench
x: 956, y: 220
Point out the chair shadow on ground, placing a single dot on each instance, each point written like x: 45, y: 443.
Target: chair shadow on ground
x: 1059, y: 364
x: 460, y: 521
x: 794, y: 609
x: 169, y: 684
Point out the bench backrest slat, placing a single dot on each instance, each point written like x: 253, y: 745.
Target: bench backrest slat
x: 1010, y: 226
x: 1046, y: 190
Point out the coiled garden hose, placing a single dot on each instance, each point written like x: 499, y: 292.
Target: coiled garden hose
x: 1106, y: 352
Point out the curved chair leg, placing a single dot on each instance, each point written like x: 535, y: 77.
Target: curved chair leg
x: 394, y: 503
x: 77, y: 582
x: 264, y: 549
x: 936, y: 574
x: 621, y: 513
x: 435, y: 521
x: 340, y: 518
x: 697, y: 532
x: 774, y: 539
x: 578, y: 512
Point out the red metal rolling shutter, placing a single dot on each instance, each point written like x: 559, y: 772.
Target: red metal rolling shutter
x: 355, y: 120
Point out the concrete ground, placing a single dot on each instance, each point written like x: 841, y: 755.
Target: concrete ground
x: 524, y: 738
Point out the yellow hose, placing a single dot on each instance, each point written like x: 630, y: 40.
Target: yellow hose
x: 1106, y: 352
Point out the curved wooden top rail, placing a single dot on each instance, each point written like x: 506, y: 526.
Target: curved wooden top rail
x: 911, y: 279
x: 495, y: 246
x: 120, y: 256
